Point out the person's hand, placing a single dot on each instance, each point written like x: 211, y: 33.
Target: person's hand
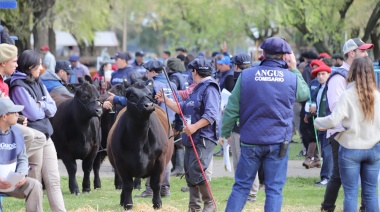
x: 312, y: 109
x: 190, y: 129
x: 159, y: 96
x: 25, y: 122
x: 111, y: 97
x: 290, y: 59
x: 107, y: 105
x: 321, y: 129
x: 21, y: 183
x: 4, y: 184
x: 224, y: 47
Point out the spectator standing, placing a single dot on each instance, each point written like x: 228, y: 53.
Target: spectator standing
x: 137, y: 65
x: 79, y: 69
x: 48, y: 60
x: 265, y: 123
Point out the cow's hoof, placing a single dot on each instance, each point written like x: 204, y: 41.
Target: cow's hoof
x: 86, y: 190
x: 157, y: 206
x: 76, y: 192
x: 97, y: 185
x: 128, y: 207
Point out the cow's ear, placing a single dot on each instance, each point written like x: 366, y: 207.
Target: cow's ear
x: 88, y: 79
x: 71, y: 88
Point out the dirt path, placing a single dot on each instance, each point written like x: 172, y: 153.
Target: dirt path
x: 295, y: 169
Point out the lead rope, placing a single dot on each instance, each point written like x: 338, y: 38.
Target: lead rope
x: 315, y: 131
x: 191, y: 138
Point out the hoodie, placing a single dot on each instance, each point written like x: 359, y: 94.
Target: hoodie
x: 21, y: 96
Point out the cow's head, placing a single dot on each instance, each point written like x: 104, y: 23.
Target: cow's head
x: 140, y: 100
x: 88, y: 97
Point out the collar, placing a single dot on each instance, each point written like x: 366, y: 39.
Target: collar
x: 274, y: 63
x: 345, y: 66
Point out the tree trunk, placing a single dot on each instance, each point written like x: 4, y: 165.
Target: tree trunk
x: 376, y: 48
x: 40, y: 36
x: 321, y: 47
x: 52, y: 41
x: 372, y: 21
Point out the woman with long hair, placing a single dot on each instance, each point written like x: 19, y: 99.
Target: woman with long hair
x: 358, y: 109
x: 27, y: 89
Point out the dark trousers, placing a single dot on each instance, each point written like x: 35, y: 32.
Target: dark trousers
x: 334, y: 184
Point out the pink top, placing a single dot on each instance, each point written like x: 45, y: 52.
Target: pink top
x: 337, y: 85
x: 185, y: 93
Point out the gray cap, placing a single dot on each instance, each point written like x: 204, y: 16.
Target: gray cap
x: 7, y: 106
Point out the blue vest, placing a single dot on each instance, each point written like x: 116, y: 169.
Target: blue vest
x: 268, y: 93
x: 194, y: 108
x: 36, y: 91
x: 159, y: 84
x: 183, y: 83
x: 341, y: 71
x: 188, y: 76
x: 138, y: 68
x: 11, y: 145
x: 120, y: 75
x: 223, y: 78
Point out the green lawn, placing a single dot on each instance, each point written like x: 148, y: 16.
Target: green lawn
x: 300, y: 194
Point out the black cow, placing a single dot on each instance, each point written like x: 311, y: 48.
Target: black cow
x: 138, y: 144
x: 77, y: 133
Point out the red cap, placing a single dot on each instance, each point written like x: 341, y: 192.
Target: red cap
x: 318, y: 63
x: 319, y: 69
x: 324, y: 55
x: 45, y: 48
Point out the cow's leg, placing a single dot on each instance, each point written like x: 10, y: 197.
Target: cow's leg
x: 127, y: 192
x: 97, y: 162
x: 137, y: 183
x: 155, y: 184
x: 71, y: 167
x: 87, y: 164
x: 117, y: 181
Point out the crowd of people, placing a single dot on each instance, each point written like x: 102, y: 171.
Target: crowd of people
x: 334, y: 97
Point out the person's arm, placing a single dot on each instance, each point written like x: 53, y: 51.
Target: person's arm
x: 49, y: 106
x: 169, y: 102
x: 231, y: 112
x: 174, y: 80
x: 32, y: 109
x: 229, y: 83
x: 22, y: 163
x: 302, y: 93
x: 337, y: 85
x: 337, y: 115
x: 121, y: 100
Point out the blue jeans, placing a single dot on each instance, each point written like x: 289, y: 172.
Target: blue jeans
x: 363, y: 162
x: 275, y: 168
x: 327, y: 164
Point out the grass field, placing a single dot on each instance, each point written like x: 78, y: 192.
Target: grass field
x: 300, y: 194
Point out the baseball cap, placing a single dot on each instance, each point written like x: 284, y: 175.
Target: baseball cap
x: 318, y: 63
x: 224, y: 60
x: 355, y: 43
x: 139, y: 54
x: 7, y: 106
x: 324, y: 55
x: 74, y: 58
x: 121, y: 55
x: 337, y: 56
x: 64, y: 65
x: 154, y: 65
x: 276, y: 45
x: 201, y: 64
x: 241, y: 59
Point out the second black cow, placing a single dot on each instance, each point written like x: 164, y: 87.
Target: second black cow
x: 77, y: 133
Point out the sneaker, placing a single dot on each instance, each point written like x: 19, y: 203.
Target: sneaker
x: 251, y: 199
x: 219, y: 154
x: 145, y: 194
x: 262, y: 187
x: 185, y: 189
x: 322, y: 183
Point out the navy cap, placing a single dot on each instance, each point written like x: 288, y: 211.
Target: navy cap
x: 154, y: 65
x: 200, y: 64
x: 182, y: 49
x: 74, y: 58
x: 241, y: 59
x: 64, y: 65
x: 139, y: 54
x: 276, y: 45
x: 121, y: 55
